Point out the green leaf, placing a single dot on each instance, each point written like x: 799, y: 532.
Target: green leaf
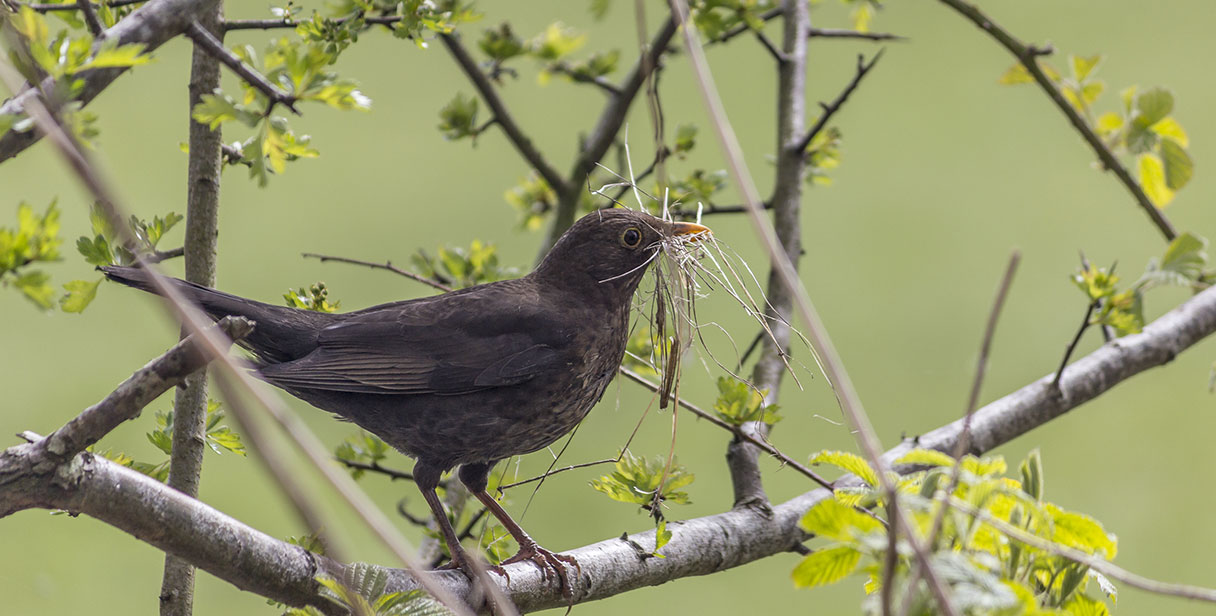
x: 215, y: 109
x: 835, y: 520
x: 826, y: 566
x: 637, y: 480
x: 1081, y: 605
x: 1108, y: 123
x: 849, y: 462
x: 1077, y: 530
x: 96, y: 251
x: 661, y: 537
x: 1153, y: 106
x: 35, y: 285
x: 739, y: 403
x: 686, y: 139
x: 1153, y: 182
x: 1082, y: 67
x: 1170, y: 128
x: 555, y: 42
x: 80, y: 295
x: 501, y: 44
x: 111, y: 56
x: 458, y: 119
x: 1015, y: 74
x: 1032, y: 475
x: 926, y: 457
x: 1178, y: 164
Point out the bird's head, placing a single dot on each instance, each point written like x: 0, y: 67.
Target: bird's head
x: 611, y: 249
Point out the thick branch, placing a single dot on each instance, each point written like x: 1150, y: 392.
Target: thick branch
x: 502, y: 117
x: 254, y: 561
x: 151, y: 24
x: 1028, y: 57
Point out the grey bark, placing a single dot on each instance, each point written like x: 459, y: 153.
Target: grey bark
x: 787, y: 221
x: 202, y: 228
x: 254, y: 561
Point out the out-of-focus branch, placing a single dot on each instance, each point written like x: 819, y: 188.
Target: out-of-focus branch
x: 151, y: 24
x: 1028, y: 55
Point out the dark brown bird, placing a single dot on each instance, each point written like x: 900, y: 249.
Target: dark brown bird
x: 470, y: 377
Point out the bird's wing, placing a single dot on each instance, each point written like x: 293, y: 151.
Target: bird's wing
x: 450, y: 344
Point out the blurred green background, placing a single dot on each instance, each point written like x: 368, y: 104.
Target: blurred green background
x: 944, y: 172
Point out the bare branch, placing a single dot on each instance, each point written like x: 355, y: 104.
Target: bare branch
x: 151, y: 24
x: 853, y: 34
x: 829, y: 110
x: 502, y: 117
x: 90, y: 17
x: 46, y: 8
x: 388, y: 266
x: 1027, y: 56
x: 213, y: 46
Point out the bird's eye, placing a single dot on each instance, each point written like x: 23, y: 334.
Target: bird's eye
x: 631, y: 237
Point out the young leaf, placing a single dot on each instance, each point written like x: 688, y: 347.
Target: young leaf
x: 834, y: 520
x: 849, y: 462
x: 1152, y: 180
x: 826, y: 566
x: 80, y: 295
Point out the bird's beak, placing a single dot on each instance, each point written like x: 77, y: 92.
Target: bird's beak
x: 690, y: 228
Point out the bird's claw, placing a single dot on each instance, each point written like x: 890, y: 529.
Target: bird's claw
x: 551, y: 565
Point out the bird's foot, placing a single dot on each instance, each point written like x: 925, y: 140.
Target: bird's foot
x: 551, y: 565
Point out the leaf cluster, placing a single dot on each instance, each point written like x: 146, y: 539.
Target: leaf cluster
x: 219, y: 438
x: 739, y: 403
x: 1123, y: 309
x: 361, y: 590
x: 314, y: 297
x: 1142, y: 127
x: 987, y: 569
x: 646, y: 482
x: 463, y: 267
x: 35, y: 239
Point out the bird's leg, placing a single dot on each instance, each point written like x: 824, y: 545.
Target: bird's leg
x: 427, y: 477
x: 474, y: 477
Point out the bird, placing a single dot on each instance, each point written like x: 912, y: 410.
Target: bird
x: 467, y: 378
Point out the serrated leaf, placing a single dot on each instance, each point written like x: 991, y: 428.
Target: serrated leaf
x: 120, y: 56
x: 80, y: 295
x: 826, y: 566
x: 834, y: 520
x: 1081, y: 605
x: 849, y: 462
x: 35, y: 286
x: 926, y: 457
x: 1080, y: 531
x: 96, y: 251
x: 1152, y: 180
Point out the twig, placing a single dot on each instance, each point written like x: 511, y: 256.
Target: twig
x: 157, y: 256
x: 563, y: 68
x: 46, y: 8
x: 707, y: 416
x: 387, y: 265
x: 829, y: 110
x: 233, y: 156
x: 550, y: 473
x: 272, y: 24
x: 711, y: 209
x: 90, y: 17
x: 772, y: 50
x: 374, y: 467
x: 213, y: 46
x: 1027, y: 56
x: 1076, y: 339
x: 502, y: 116
x: 853, y: 34
x: 833, y: 367
x: 889, y: 561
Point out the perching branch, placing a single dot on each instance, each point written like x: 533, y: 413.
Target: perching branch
x: 151, y: 24
x: 254, y: 561
x: 216, y: 49
x: 830, y: 109
x: 1028, y: 57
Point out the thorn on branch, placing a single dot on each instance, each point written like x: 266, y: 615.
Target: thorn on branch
x: 830, y: 109
x: 216, y: 49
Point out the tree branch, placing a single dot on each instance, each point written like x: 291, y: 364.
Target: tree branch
x: 387, y: 265
x: 1027, y: 56
x: 151, y: 24
x: 46, y: 8
x: 206, y: 41
x: 502, y: 117
x: 829, y: 110
x: 254, y: 561
x: 199, y: 248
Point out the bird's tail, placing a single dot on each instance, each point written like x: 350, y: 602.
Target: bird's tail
x: 280, y: 333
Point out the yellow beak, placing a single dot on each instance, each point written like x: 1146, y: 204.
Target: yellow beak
x: 690, y: 228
